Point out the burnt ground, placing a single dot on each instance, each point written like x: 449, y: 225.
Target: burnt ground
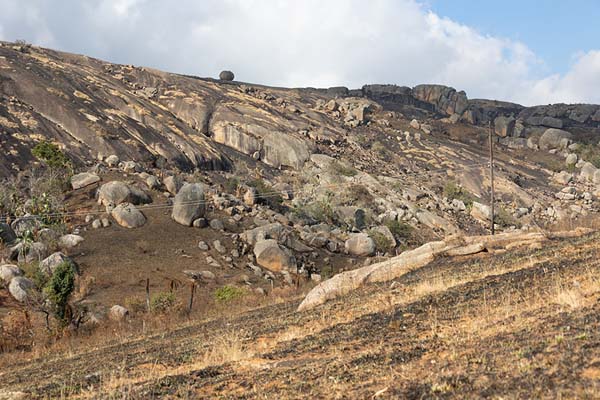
x: 522, y: 324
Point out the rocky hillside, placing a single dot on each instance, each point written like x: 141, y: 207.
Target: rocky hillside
x: 120, y: 181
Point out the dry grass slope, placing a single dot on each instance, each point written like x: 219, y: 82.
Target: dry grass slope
x: 520, y: 324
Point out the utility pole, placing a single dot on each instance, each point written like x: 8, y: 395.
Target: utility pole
x: 491, y: 137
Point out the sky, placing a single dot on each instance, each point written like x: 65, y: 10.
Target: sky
x: 530, y: 52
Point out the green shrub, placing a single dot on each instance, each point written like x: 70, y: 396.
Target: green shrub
x: 59, y: 289
x: 590, y: 153
x: 454, y: 191
x: 382, y: 243
x: 504, y: 218
x: 33, y: 272
x: 319, y: 211
x: 163, y: 302
x: 266, y: 194
x: 51, y: 154
x: 232, y: 184
x: 400, y: 230
x: 228, y: 293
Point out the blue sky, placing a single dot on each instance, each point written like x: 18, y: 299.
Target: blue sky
x: 529, y: 52
x: 555, y: 30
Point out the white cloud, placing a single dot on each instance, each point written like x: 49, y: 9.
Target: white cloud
x: 302, y: 43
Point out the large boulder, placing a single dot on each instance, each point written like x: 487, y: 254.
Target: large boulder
x: 226, y: 76
x: 281, y: 149
x: 553, y: 139
x: 83, y: 179
x: 188, y: 204
x: 8, y: 272
x: 504, y: 126
x: 270, y: 255
x: 7, y: 235
x: 49, y: 264
x: 445, y: 99
x: 360, y: 244
x: 20, y: 288
x: 128, y: 216
x: 114, y: 193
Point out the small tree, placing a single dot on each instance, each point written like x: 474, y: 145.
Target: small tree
x: 59, y: 289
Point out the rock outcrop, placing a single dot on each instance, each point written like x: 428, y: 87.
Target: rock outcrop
x: 408, y: 261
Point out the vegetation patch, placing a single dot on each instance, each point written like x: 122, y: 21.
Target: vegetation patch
x: 590, y: 153
x: 59, y: 289
x: 453, y: 191
x: 51, y: 154
x: 229, y: 293
x: 382, y: 243
x: 266, y: 194
x: 163, y: 302
x: 400, y: 230
x: 319, y: 211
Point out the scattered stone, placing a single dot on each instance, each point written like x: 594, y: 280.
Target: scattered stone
x: 8, y: 272
x: 112, y: 161
x: 113, y: 193
x: 260, y: 291
x: 200, y: 275
x: 269, y: 231
x: 118, y: 313
x: 84, y: 179
x: 481, y: 212
x: 415, y: 124
x: 562, y: 177
x: 69, y: 241
x: 7, y: 235
x: 217, y: 224
x: 203, y: 246
x: 25, y: 223
x: 571, y: 160
x: 218, y: 246
x: 20, y: 288
x: 173, y: 184
x: 128, y: 216
x: 131, y: 167
x: 200, y: 223
x: 270, y: 255
x: 49, y: 264
x: 97, y: 224
x: 189, y: 204
x: 360, y: 244
x: 105, y: 222
x: 152, y: 182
